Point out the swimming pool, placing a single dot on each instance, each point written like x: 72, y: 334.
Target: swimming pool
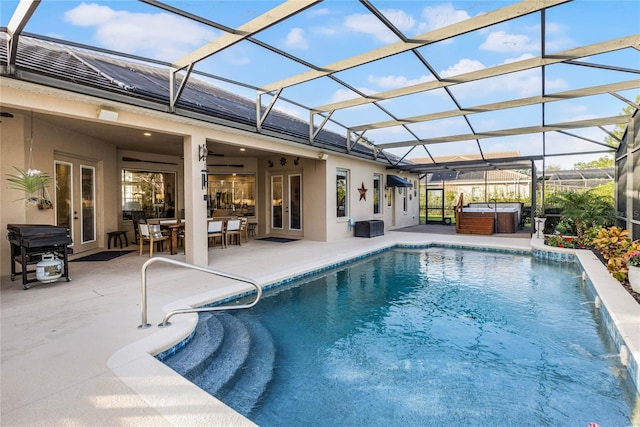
x: 437, y: 337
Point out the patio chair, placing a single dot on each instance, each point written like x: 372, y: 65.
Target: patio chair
x: 233, y: 230
x: 244, y: 228
x: 152, y: 234
x: 215, y: 229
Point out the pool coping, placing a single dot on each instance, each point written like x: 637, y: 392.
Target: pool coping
x: 138, y: 366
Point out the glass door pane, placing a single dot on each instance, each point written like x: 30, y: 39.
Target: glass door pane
x: 295, y: 203
x: 88, y: 203
x: 435, y: 205
x: 63, y: 191
x: 276, y: 201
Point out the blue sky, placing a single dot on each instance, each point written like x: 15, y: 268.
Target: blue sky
x: 336, y: 29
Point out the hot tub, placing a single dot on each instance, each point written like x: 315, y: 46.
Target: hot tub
x: 507, y: 217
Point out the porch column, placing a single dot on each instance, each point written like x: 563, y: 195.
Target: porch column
x: 195, y: 205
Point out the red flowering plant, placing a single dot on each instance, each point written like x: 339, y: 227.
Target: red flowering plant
x: 559, y: 241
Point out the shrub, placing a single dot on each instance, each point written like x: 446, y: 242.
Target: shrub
x: 634, y: 258
x: 615, y: 246
x: 559, y: 241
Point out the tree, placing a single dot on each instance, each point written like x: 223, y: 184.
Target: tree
x: 619, y: 129
x: 601, y: 163
x: 585, y: 209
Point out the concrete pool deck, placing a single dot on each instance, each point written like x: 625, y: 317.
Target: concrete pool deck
x: 72, y: 353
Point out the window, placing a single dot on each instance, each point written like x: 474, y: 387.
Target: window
x: 389, y: 195
x: 377, y: 193
x: 147, y: 194
x: 342, y: 196
x: 476, y: 193
x: 231, y: 194
x: 403, y: 192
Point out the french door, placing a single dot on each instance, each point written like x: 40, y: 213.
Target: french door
x: 286, y: 204
x: 75, y: 200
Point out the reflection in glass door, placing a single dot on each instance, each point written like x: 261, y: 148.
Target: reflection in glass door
x: 88, y: 191
x: 75, y: 201
x: 295, y: 205
x: 276, y: 202
x: 64, y: 189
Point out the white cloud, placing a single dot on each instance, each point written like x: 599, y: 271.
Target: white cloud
x: 521, y: 84
x: 128, y: 32
x: 441, y: 16
x: 346, y: 94
x: 369, y: 24
x: 391, y: 81
x: 296, y: 39
x: 462, y: 67
x: 501, y: 41
x: 399, y: 19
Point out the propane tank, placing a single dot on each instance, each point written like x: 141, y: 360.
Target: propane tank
x: 49, y: 269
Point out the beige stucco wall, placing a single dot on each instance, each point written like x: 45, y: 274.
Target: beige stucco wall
x: 48, y: 141
x: 361, y: 172
x: 318, y: 176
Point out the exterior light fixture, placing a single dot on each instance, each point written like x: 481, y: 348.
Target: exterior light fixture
x: 147, y: 134
x: 243, y: 149
x: 108, y: 115
x: 323, y: 156
x: 202, y: 152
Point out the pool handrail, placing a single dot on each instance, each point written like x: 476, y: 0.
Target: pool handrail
x: 165, y: 320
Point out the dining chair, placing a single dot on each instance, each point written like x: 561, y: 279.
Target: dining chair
x: 151, y: 233
x: 216, y: 229
x: 244, y: 228
x: 233, y: 229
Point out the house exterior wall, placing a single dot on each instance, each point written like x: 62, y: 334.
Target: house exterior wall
x: 48, y: 141
x: 361, y: 173
x: 319, y: 220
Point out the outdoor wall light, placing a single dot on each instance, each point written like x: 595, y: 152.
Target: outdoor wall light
x: 323, y: 156
x: 202, y: 152
x: 108, y: 115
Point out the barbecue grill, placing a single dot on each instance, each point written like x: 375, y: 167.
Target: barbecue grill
x: 30, y: 241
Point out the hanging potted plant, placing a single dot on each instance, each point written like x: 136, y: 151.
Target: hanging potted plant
x: 34, y: 183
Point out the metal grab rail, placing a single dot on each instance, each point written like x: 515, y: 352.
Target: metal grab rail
x: 165, y: 321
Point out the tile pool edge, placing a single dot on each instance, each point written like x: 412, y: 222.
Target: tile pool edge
x: 164, y: 390
x: 619, y: 312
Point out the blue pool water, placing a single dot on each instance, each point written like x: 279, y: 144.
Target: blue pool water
x: 440, y: 337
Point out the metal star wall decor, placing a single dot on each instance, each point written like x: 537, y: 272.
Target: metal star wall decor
x: 363, y: 192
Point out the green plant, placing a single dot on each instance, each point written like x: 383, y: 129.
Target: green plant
x: 634, y: 258
x: 539, y: 213
x: 612, y: 242
x: 584, y: 209
x: 615, y: 246
x: 559, y: 241
x: 32, y: 181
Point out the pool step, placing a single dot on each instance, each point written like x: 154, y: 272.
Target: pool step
x: 251, y: 380
x: 231, y: 356
x: 203, y: 348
